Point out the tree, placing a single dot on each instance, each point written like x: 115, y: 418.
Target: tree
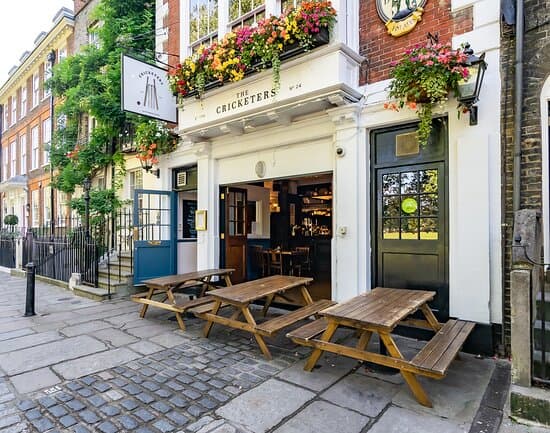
x: 88, y: 84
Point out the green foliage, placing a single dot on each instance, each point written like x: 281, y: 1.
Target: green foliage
x: 423, y: 77
x: 11, y: 220
x: 102, y: 202
x: 88, y: 84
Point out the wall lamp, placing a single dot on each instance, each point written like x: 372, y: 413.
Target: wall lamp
x: 147, y: 165
x: 469, y: 88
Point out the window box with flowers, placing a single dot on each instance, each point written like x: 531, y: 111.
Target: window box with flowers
x: 153, y: 138
x: 250, y: 49
x: 423, y: 78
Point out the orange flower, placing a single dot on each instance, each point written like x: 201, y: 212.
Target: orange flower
x: 411, y: 105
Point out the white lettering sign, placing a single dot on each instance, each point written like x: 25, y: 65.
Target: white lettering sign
x: 145, y: 90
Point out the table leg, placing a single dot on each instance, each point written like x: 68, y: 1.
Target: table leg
x: 364, y: 340
x: 205, y: 286
x: 144, y: 308
x: 410, y: 378
x: 305, y: 294
x: 227, y: 281
x: 208, y: 326
x: 316, y: 354
x: 171, y: 298
x: 259, y: 339
x: 429, y: 315
x: 267, y: 304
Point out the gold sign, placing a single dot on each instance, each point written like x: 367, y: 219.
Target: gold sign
x: 400, y: 16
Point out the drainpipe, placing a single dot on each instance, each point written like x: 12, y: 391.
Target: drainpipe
x: 516, y: 194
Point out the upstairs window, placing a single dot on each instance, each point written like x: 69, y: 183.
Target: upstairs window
x: 46, y: 139
x: 35, y: 206
x: 203, y: 22
x: 93, y: 36
x: 245, y: 12
x: 47, y: 76
x: 6, y: 164
x: 286, y: 4
x: 13, y: 154
x: 35, y: 89
x: 62, y: 53
x: 6, y: 117
x: 34, y: 144
x: 13, y: 110
x: 23, y: 152
x: 23, y: 109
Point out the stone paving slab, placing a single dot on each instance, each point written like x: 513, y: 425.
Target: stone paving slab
x: 361, y: 393
x: 29, y: 341
x: 323, y: 417
x: 94, y: 363
x: 34, y: 380
x: 145, y: 347
x: 84, y: 328
x: 266, y: 405
x: 47, y: 354
x: 114, y: 337
x: 399, y: 420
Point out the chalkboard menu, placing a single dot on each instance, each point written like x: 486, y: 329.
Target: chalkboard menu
x: 188, y: 219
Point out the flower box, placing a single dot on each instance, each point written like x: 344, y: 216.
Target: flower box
x: 250, y: 49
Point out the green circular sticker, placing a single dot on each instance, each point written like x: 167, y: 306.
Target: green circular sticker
x: 409, y: 205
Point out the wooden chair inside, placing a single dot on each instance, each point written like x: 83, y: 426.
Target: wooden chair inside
x: 259, y: 260
x: 276, y: 262
x: 304, y: 259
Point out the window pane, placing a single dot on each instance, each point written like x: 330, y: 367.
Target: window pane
x: 409, y: 228
x: 428, y: 229
x: 409, y: 182
x: 391, y: 207
x: 428, y: 180
x: 390, y: 184
x: 391, y: 228
x: 428, y: 205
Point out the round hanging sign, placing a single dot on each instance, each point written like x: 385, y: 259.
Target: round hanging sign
x: 409, y: 205
x: 400, y: 16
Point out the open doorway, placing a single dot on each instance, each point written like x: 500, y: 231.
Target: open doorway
x: 281, y: 226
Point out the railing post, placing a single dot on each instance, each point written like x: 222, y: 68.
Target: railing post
x: 29, y: 304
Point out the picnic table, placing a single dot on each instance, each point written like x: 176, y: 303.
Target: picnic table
x: 379, y: 312
x: 240, y: 296
x: 166, y: 286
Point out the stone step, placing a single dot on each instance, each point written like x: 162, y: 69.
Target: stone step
x: 114, y: 273
x: 95, y: 293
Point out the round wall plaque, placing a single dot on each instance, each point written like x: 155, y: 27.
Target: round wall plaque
x: 409, y: 205
x: 260, y: 168
x: 400, y: 16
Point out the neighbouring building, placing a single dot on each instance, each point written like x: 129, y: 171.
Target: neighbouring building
x: 317, y: 164
x: 26, y: 130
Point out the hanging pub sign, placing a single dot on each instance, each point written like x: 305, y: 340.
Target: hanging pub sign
x: 145, y: 90
x: 400, y: 16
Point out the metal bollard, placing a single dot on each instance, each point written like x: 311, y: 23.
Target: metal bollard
x: 29, y: 305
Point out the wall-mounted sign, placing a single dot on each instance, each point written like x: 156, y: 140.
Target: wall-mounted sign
x: 145, y: 90
x: 200, y: 220
x: 400, y: 16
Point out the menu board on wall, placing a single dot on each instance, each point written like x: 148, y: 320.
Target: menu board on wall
x: 188, y: 218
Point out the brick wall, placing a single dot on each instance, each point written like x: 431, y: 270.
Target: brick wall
x: 380, y: 48
x: 172, y: 25
x: 536, y: 71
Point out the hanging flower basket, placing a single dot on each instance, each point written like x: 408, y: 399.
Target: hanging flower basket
x: 153, y: 138
x: 423, y: 78
x: 250, y: 49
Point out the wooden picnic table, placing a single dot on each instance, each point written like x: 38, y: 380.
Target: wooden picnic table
x: 240, y: 296
x: 380, y: 311
x: 166, y: 286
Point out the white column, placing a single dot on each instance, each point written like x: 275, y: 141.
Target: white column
x: 350, y: 242
x: 208, y: 241
x: 339, y: 32
x: 223, y: 18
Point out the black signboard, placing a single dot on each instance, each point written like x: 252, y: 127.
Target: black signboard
x: 188, y: 221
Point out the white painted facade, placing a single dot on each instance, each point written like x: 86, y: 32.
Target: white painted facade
x: 320, y: 108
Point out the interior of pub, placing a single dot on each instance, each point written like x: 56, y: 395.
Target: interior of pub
x: 289, y: 229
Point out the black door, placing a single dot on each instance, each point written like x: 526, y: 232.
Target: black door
x: 410, y: 229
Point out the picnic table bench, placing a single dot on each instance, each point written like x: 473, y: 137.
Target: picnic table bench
x: 166, y: 286
x: 240, y: 296
x: 380, y: 311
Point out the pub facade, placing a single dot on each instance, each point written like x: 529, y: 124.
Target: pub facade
x: 317, y: 162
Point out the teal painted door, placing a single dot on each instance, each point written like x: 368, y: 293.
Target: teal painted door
x: 154, y: 234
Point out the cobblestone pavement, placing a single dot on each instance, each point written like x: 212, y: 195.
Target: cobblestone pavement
x: 81, y: 366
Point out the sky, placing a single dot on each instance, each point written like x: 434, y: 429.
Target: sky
x: 20, y: 23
